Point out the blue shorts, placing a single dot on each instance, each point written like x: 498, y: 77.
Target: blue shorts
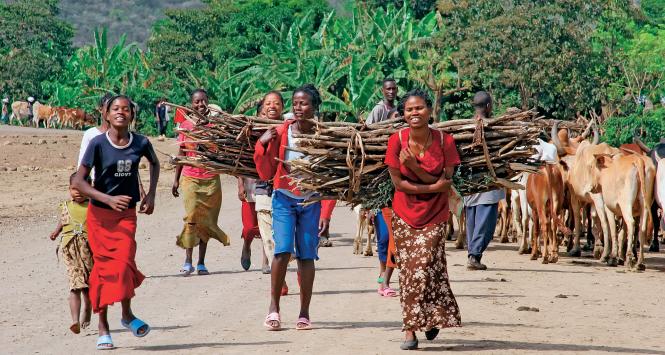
x: 382, y: 236
x: 295, y: 227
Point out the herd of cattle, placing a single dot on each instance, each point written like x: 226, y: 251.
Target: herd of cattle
x: 50, y: 116
x: 612, y: 194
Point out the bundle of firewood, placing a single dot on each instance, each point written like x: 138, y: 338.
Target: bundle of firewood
x: 344, y: 161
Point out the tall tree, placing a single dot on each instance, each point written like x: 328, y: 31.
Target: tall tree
x: 34, y: 45
x: 541, y: 49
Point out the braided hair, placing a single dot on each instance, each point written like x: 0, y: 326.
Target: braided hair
x: 414, y: 93
x: 314, y: 95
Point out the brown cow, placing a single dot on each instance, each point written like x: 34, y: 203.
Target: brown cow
x: 544, y: 194
x: 578, y: 183
x: 74, y: 118
x: 627, y: 182
x: 41, y: 112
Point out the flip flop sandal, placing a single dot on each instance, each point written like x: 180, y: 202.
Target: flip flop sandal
x: 273, y: 317
x: 104, y: 341
x: 306, y: 322
x: 202, y: 270
x: 387, y: 292
x: 325, y: 242
x: 135, y: 325
x: 187, y: 269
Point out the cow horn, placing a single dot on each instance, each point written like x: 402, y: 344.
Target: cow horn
x: 587, y: 130
x: 637, y: 140
x: 596, y: 135
x: 556, y: 141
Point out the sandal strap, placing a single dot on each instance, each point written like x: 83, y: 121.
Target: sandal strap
x: 274, y: 316
x: 104, y: 339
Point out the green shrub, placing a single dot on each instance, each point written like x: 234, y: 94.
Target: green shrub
x: 619, y: 130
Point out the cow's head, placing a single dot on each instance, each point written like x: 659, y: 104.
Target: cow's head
x: 568, y: 146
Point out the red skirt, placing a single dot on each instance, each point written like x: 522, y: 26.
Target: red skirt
x: 114, y: 273
x: 250, y: 223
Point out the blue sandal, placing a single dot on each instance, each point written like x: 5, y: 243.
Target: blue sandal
x: 202, y: 270
x: 187, y: 269
x: 105, y: 340
x: 135, y: 325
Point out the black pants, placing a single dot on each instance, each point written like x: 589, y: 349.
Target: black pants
x: 161, y: 126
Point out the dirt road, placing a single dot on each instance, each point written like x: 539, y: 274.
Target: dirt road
x: 583, y: 306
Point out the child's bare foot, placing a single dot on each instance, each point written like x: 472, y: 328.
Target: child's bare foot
x: 75, y: 328
x: 87, y: 315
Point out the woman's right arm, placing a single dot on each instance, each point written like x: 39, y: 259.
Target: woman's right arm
x: 441, y: 185
x: 265, y: 152
x: 118, y: 203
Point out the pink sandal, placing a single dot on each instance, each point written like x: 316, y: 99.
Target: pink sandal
x: 273, y: 317
x: 387, y: 292
x: 306, y: 322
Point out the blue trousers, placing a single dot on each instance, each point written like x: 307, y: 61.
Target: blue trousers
x: 382, y: 236
x: 480, y: 224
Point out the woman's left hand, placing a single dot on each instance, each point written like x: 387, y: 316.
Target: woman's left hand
x: 147, y: 204
x: 324, y: 226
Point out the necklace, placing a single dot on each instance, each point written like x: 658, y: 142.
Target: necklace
x: 424, y: 147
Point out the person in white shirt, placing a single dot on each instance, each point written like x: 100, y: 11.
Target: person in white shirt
x: 94, y: 132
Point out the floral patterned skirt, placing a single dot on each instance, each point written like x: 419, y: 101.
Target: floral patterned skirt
x: 426, y: 297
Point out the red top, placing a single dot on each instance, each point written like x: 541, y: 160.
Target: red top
x: 179, y: 116
x: 423, y: 209
x: 269, y: 168
x: 190, y: 171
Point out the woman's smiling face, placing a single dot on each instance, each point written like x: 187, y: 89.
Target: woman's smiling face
x: 416, y: 112
x: 119, y: 113
x: 273, y: 106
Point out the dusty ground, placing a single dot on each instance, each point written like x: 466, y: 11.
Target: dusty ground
x: 583, y: 306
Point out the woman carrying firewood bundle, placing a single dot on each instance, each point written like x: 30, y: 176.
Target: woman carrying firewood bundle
x: 202, y: 192
x: 421, y: 161
x: 295, y: 225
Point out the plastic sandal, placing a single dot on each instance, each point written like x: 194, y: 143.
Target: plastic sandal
x: 187, y: 269
x: 387, y: 292
x: 105, y: 340
x: 202, y: 270
x: 273, y: 317
x: 380, y: 280
x: 306, y: 322
x: 135, y: 325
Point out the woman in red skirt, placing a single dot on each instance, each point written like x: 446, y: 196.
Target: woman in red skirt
x: 111, y: 220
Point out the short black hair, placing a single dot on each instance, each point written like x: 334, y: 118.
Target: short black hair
x: 132, y: 104
x: 414, y: 93
x: 482, y: 99
x: 389, y: 80
x: 313, y: 93
x: 198, y: 91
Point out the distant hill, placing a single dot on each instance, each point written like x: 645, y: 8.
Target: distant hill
x: 133, y: 17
